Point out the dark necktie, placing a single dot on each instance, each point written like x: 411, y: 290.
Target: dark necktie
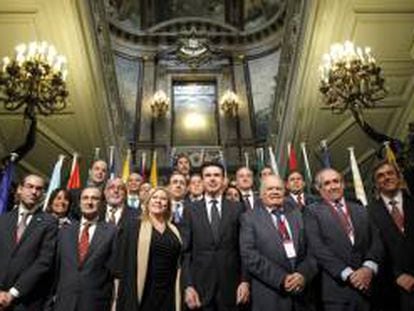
x: 343, y: 218
x: 397, y: 216
x: 215, y: 219
x: 83, y: 245
x: 21, y: 226
x: 246, y: 198
x: 177, y: 217
x: 281, y: 226
x: 300, y: 200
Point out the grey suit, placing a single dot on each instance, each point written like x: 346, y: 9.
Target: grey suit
x: 265, y: 258
x: 88, y: 287
x: 334, y: 252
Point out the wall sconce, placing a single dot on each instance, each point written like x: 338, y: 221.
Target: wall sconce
x: 35, y: 81
x: 230, y: 103
x: 159, y: 104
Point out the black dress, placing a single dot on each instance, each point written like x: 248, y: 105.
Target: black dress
x: 159, y: 289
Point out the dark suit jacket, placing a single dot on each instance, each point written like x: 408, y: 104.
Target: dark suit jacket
x: 265, y: 258
x: 309, y: 199
x: 26, y: 266
x: 399, y: 252
x: 90, y: 286
x: 208, y: 266
x: 334, y: 251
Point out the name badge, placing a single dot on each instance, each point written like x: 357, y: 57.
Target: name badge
x: 290, y: 249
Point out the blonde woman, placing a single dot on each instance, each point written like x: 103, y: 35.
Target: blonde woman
x: 148, y: 261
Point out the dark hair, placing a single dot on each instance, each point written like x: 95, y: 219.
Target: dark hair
x: 180, y: 156
x: 176, y: 173
x: 214, y: 164
x: 235, y: 188
x: 294, y: 172
x: 53, y: 196
x: 25, y: 177
x: 243, y: 167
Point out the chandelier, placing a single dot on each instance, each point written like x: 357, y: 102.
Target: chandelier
x: 159, y: 104
x: 350, y: 79
x: 230, y: 103
x: 34, y: 79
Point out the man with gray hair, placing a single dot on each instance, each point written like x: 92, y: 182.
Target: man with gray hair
x: 273, y: 249
x: 345, y: 244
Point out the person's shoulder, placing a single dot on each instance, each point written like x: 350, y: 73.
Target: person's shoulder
x: 43, y: 217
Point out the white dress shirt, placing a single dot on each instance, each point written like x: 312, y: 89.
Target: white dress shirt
x: 91, y: 230
x: 118, y: 213
x: 398, y: 198
x: 250, y: 195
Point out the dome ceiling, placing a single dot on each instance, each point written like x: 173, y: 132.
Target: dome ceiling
x: 129, y: 15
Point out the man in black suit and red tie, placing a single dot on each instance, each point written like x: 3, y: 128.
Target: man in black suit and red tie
x: 295, y: 184
x: 213, y: 277
x: 85, y: 257
x: 27, y: 249
x: 345, y: 243
x: 393, y: 214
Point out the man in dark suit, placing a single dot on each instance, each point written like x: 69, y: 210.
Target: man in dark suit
x: 295, y: 184
x: 86, y: 252
x: 177, y: 185
x: 134, y: 181
x: 27, y: 249
x: 393, y: 214
x: 345, y: 244
x: 97, y: 178
x: 213, y: 277
x: 195, y: 188
x: 244, y: 182
x: 115, y: 210
x: 273, y: 248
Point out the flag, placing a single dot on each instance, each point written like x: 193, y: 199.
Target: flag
x: 172, y: 159
x: 97, y: 154
x: 143, y: 160
x: 55, y: 179
x: 223, y: 162
x: 293, y: 162
x: 5, y: 183
x: 326, y: 157
x: 389, y: 155
x: 307, y: 166
x: 273, y: 162
x: 74, y: 178
x: 246, y: 159
x: 111, y: 162
x: 356, y: 175
x: 154, y: 171
x: 126, y: 168
x: 260, y: 159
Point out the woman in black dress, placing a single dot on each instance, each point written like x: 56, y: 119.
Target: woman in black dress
x: 148, y: 263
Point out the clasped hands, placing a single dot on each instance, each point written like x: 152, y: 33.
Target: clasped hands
x: 294, y: 282
x: 361, y: 278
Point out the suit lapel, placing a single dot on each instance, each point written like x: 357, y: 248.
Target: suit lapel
x: 294, y: 228
x: 96, y: 239
x: 11, y: 229
x: 74, y: 241
x: 225, y: 214
x: 268, y: 221
x: 330, y: 213
x: 34, y: 222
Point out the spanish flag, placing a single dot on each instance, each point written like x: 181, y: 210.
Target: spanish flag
x: 74, y: 179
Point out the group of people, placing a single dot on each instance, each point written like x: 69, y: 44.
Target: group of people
x: 203, y: 243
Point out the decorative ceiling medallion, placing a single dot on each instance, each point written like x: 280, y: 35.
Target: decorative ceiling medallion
x: 193, y: 50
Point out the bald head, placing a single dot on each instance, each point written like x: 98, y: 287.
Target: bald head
x: 272, y: 191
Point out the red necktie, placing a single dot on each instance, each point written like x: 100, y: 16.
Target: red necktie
x: 83, y: 245
x: 300, y: 200
x: 397, y: 216
x: 281, y: 226
x: 344, y: 220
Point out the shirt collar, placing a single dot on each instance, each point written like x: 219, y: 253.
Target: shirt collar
x: 398, y: 197
x: 208, y: 198
x: 92, y: 222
